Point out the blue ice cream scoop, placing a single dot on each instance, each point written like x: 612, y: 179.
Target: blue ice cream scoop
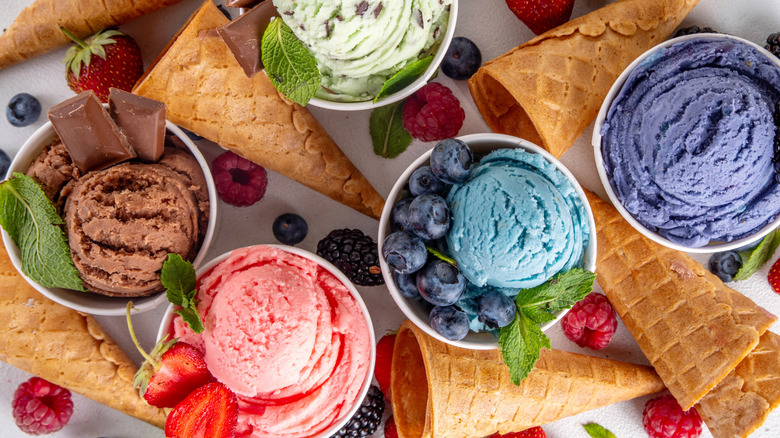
x: 516, y: 221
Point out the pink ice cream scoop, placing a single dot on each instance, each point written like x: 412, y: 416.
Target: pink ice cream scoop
x: 286, y: 336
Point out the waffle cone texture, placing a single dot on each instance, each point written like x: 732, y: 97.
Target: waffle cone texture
x: 550, y: 89
x: 36, y: 29
x: 66, y: 347
x: 207, y: 92
x: 444, y: 391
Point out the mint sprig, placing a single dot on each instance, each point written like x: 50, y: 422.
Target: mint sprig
x: 288, y: 63
x: 522, y: 340
x: 753, y: 259
x: 31, y: 220
x: 388, y: 134
x: 404, y: 77
x: 178, y: 277
x: 598, y: 431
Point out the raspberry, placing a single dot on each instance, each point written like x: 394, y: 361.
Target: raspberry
x: 664, y: 418
x: 534, y: 432
x: 591, y: 322
x: 41, y: 407
x: 391, y: 431
x: 433, y: 113
x: 239, y: 181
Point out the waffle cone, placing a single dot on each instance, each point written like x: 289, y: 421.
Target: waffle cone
x: 37, y: 28
x: 444, y: 391
x: 65, y: 347
x: 550, y: 89
x: 207, y: 92
x: 692, y: 327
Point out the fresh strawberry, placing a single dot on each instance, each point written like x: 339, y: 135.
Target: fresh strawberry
x: 534, y: 432
x: 390, y: 430
x: 211, y: 411
x: 384, y: 358
x: 104, y: 60
x: 541, y: 15
x: 774, y: 276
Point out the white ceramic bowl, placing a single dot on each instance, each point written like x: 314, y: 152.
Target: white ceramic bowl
x: 415, y: 309
x: 166, y: 325
x: 597, y: 138
x: 90, y: 302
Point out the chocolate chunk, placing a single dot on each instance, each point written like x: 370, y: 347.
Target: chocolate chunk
x: 378, y: 9
x: 420, y: 18
x: 142, y: 120
x: 91, y: 137
x: 362, y: 8
x: 244, y: 35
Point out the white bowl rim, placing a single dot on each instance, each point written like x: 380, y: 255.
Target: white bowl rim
x: 90, y: 302
x: 474, y: 341
x: 168, y: 319
x: 596, y: 143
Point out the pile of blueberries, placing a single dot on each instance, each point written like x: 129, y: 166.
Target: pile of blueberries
x: 420, y: 222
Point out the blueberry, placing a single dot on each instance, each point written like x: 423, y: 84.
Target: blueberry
x: 289, y: 228
x: 424, y: 181
x: 440, y: 283
x: 5, y: 161
x: 452, y: 160
x: 406, y: 284
x: 23, y: 109
x: 399, y: 215
x: 495, y: 309
x: 449, y: 322
x: 404, y: 252
x: 462, y: 60
x: 725, y: 264
x: 429, y: 216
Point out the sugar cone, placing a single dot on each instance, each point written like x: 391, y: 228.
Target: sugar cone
x: 692, y: 327
x: 207, y: 92
x: 742, y: 401
x: 444, y: 391
x: 550, y: 89
x: 37, y: 28
x: 65, y: 347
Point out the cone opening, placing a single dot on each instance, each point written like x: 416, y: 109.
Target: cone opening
x: 409, y: 385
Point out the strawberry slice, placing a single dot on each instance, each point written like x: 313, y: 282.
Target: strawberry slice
x: 211, y: 411
x: 542, y: 15
x: 384, y: 360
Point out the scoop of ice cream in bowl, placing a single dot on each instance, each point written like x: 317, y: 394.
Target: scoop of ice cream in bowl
x: 684, y: 143
x: 288, y: 333
x: 474, y: 222
x: 120, y: 188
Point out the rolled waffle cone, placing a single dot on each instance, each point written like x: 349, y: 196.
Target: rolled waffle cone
x: 444, y: 391
x: 550, y: 89
x: 207, y: 92
x: 37, y: 28
x: 65, y: 347
x: 692, y: 327
x: 742, y: 401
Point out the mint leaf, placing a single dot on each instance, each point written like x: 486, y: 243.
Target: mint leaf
x: 178, y: 277
x: 598, y: 431
x: 521, y: 343
x: 404, y: 77
x: 288, y: 63
x: 441, y: 256
x: 560, y: 292
x: 387, y: 130
x: 752, y: 260
x: 31, y: 220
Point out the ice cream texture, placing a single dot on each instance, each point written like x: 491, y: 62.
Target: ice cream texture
x: 516, y: 221
x: 359, y: 44
x: 284, y: 334
x: 688, y: 141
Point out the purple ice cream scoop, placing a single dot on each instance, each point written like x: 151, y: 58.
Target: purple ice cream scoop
x: 688, y: 141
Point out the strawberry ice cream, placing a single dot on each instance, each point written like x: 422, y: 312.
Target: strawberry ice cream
x: 286, y: 336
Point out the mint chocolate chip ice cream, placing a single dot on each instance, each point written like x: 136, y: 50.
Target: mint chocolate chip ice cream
x: 688, y: 141
x: 359, y: 44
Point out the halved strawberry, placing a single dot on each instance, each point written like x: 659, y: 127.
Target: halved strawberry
x: 542, y: 15
x: 211, y: 411
x: 384, y: 359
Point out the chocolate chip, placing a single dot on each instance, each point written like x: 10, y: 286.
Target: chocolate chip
x: 378, y: 9
x: 420, y: 19
x: 327, y: 29
x: 362, y: 8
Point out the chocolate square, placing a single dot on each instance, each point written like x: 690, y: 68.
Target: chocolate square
x: 142, y: 120
x: 244, y: 35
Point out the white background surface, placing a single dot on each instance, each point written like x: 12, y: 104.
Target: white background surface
x: 495, y: 30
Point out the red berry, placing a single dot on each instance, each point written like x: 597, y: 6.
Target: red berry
x: 591, y: 322
x: 384, y: 359
x: 433, y: 113
x: 541, y: 15
x: 41, y: 407
x: 180, y: 370
x: 390, y: 430
x: 774, y: 276
x: 239, y: 181
x: 534, y: 432
x: 664, y: 418
x: 211, y: 411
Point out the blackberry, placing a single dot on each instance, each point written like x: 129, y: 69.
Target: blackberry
x: 773, y: 44
x: 692, y: 30
x: 354, y: 253
x: 368, y: 417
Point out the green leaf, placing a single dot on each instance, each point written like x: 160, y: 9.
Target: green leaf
x: 560, y: 292
x: 289, y: 64
x: 441, y: 256
x: 752, y: 260
x: 191, y: 317
x: 178, y: 277
x: 31, y: 220
x: 387, y: 130
x: 598, y: 431
x: 521, y: 343
x: 404, y: 77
